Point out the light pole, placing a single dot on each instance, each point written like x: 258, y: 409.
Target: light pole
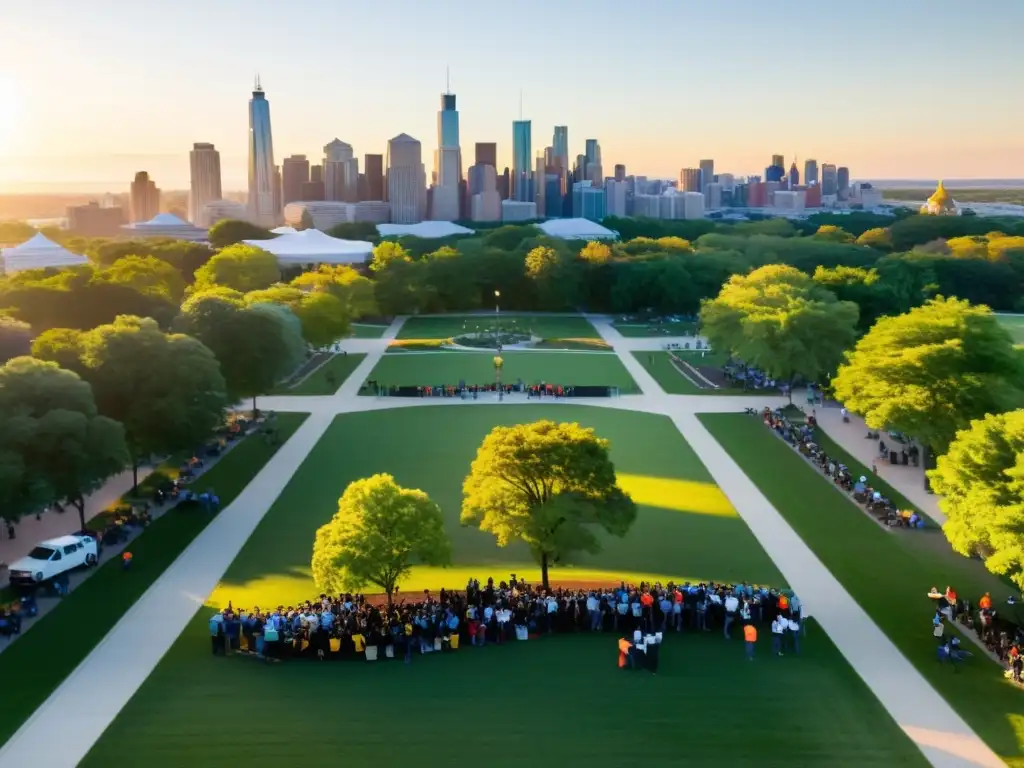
x: 497, y: 319
x: 498, y: 362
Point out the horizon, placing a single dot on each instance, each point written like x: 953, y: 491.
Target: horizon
x: 832, y: 97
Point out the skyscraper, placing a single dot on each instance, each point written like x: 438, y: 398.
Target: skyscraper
x: 594, y: 172
x: 407, y: 180
x: 204, y: 164
x: 294, y: 174
x: 794, y: 176
x: 779, y: 160
x: 261, y: 161
x: 689, y: 180
x: 560, y: 146
x: 707, y: 174
x: 810, y: 172
x: 620, y: 173
x: 447, y: 162
x: 843, y: 182
x: 341, y: 172
x: 374, y: 170
x: 522, y: 161
x: 829, y: 179
x: 487, y: 154
x: 144, y: 200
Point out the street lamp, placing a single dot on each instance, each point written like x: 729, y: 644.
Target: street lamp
x: 498, y: 362
x: 497, y: 319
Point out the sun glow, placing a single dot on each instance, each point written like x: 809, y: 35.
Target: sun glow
x: 12, y: 110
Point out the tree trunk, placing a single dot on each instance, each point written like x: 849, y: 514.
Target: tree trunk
x: 544, y: 569
x: 255, y: 413
x: 79, y: 503
x: 135, y: 476
x: 790, y: 392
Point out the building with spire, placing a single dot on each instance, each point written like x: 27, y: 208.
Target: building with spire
x: 407, y: 180
x: 445, y: 200
x: 261, y: 205
x: 794, y: 176
x: 940, y: 203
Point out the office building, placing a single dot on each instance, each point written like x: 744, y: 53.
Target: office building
x: 713, y: 195
x: 588, y: 201
x: 278, y: 193
x: 487, y: 154
x: 615, y: 197
x: 794, y: 176
x: 560, y: 147
x: 330, y: 213
x: 788, y: 200
x: 707, y: 174
x: 620, y: 172
x: 316, y: 173
x: 829, y: 179
x: 262, y: 197
x: 843, y: 182
x: 485, y: 201
x: 505, y: 183
x: 407, y: 180
x: 554, y: 193
x: 518, y: 210
x: 728, y: 181
x: 779, y: 160
x: 689, y: 180
x: 294, y: 174
x: 219, y: 210
x: 92, y: 220
x: 812, y: 196
x: 775, y: 173
x: 810, y: 172
x: 312, y: 190
x: 594, y: 167
x: 445, y: 201
x: 204, y: 166
x: 373, y: 169
x: 144, y: 200
x: 522, y: 161
x: 539, y: 178
x: 341, y: 172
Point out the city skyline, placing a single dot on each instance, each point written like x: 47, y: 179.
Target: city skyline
x: 861, y: 86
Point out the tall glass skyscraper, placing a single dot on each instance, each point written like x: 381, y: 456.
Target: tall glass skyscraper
x: 560, y: 146
x: 447, y: 162
x: 522, y: 161
x: 261, y: 161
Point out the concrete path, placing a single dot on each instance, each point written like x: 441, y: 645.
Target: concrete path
x: 85, y: 704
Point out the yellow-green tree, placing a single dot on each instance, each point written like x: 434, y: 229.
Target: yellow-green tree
x: 322, y: 315
x: 240, y: 267
x: 832, y: 234
x: 380, y: 531
x: 352, y: 289
x: 549, y: 485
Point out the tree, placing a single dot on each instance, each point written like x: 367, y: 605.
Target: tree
x: 878, y: 238
x: 929, y: 372
x: 596, y: 252
x: 860, y: 286
x: 554, y: 277
x: 255, y: 349
x: 231, y: 231
x: 387, y: 254
x: 355, y: 230
x: 981, y: 480
x: 241, y: 267
x: 355, y: 291
x: 378, y: 533
x: 778, y: 319
x: 147, y: 275
x: 306, y: 221
x: 549, y: 485
x: 53, y: 445
x: 166, y: 389
x: 321, y: 314
x: 832, y: 234
x: 15, y: 338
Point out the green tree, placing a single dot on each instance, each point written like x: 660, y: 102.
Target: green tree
x: 929, y: 372
x: 231, y: 231
x: 554, y: 277
x: 378, y: 533
x: 166, y: 389
x: 387, y: 254
x: 981, y: 481
x: 860, y: 286
x: 15, y: 338
x: 355, y: 291
x: 255, y: 349
x: 549, y: 485
x: 321, y: 314
x: 878, y: 238
x: 53, y: 445
x: 781, y: 321
x: 832, y: 234
x: 147, y: 275
x: 241, y: 267
x: 307, y: 220
x: 355, y: 230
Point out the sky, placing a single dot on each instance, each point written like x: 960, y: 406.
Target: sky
x: 92, y: 92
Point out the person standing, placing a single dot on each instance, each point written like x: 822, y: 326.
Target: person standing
x: 749, y: 639
x: 778, y: 630
x: 731, y: 605
x: 794, y: 634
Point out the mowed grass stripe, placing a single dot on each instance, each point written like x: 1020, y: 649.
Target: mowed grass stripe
x: 545, y: 326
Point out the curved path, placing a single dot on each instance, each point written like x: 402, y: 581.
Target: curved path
x: 91, y: 697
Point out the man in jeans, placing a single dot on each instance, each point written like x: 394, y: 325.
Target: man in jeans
x: 731, y: 605
x: 778, y: 630
x: 593, y: 611
x: 702, y: 612
x: 750, y: 638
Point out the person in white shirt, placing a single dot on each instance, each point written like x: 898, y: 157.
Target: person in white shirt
x: 794, y: 635
x: 731, y: 604
x: 778, y: 630
x: 593, y: 611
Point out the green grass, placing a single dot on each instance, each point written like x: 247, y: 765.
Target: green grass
x: 559, y: 700
x: 644, y: 330
x: 38, y: 662
x: 660, y: 366
x: 545, y: 326
x: 1014, y: 324
x: 478, y: 368
x: 888, y: 574
x: 317, y: 383
x: 366, y: 331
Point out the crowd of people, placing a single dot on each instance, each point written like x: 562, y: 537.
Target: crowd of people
x: 1001, y: 637
x: 351, y: 626
x: 466, y: 391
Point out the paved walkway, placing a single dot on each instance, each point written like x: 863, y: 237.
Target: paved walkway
x: 88, y: 700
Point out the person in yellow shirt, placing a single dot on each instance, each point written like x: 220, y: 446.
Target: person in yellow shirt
x: 359, y: 642
x: 750, y: 638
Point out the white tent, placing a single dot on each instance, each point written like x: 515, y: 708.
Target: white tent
x: 165, y: 225
x: 37, y: 253
x: 576, y: 229
x: 284, y: 231
x: 311, y: 246
x: 425, y: 229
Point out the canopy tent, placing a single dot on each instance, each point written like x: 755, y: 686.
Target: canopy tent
x: 39, y: 252
x: 576, y: 229
x: 311, y: 246
x: 284, y: 231
x: 165, y: 225
x: 424, y: 229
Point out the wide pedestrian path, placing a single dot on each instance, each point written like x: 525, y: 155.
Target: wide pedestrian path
x: 87, y: 702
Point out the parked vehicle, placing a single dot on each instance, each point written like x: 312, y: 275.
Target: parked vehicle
x: 53, y: 557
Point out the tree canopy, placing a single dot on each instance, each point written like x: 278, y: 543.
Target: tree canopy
x: 780, y: 320
x: 932, y: 370
x: 549, y: 485
x: 241, y: 267
x: 15, y: 338
x: 53, y: 445
x: 231, y: 231
x: 981, y: 481
x: 378, y: 533
x: 321, y: 313
x: 352, y: 289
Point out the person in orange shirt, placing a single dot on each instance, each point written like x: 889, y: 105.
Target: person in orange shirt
x: 625, y: 655
x: 986, y: 602
x: 750, y: 638
x: 126, y: 560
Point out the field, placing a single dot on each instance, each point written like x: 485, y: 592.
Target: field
x: 569, y: 368
x: 318, y: 382
x: 367, y: 331
x: 638, y: 329
x: 887, y: 572
x: 1015, y: 325
x: 211, y: 711
x: 545, y: 326
x: 660, y: 366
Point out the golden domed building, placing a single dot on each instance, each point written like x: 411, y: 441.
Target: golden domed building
x: 940, y: 203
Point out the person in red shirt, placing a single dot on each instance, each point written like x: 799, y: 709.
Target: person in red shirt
x: 986, y: 602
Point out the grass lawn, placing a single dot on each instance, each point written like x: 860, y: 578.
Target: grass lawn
x: 366, y: 331
x: 558, y: 700
x: 645, y: 330
x: 38, y: 662
x: 888, y: 573
x: 317, y: 383
x: 1015, y: 325
x: 570, y: 369
x: 660, y: 366
x: 545, y: 326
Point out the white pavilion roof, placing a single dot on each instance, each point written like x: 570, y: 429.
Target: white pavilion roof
x: 576, y: 229
x: 425, y: 229
x: 311, y: 246
x: 39, y: 252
